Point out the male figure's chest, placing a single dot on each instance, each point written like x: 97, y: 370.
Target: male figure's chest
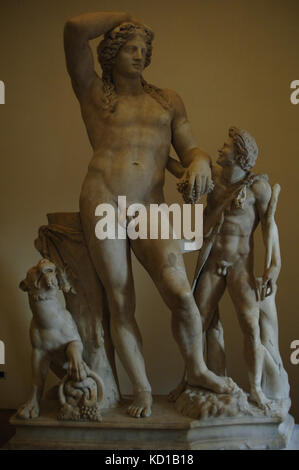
x: 236, y: 201
x: 138, y: 111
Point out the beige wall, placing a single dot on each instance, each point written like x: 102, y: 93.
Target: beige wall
x: 231, y: 61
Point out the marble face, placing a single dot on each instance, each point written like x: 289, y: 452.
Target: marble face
x: 131, y: 58
x: 226, y: 153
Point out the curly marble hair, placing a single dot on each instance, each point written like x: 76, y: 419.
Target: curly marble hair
x: 245, y: 147
x: 107, y: 51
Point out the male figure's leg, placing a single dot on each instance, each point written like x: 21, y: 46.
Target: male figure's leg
x: 215, y: 348
x: 208, y: 292
x: 112, y: 261
x: 240, y: 282
x: 164, y: 262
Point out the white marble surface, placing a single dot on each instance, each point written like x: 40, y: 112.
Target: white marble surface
x: 294, y: 444
x: 165, y: 429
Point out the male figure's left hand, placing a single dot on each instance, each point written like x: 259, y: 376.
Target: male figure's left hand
x: 196, y: 180
x: 269, y: 281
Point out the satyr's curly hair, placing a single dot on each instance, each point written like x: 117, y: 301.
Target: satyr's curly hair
x: 107, y: 51
x: 245, y: 147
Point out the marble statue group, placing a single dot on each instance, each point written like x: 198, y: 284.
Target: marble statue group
x: 131, y: 125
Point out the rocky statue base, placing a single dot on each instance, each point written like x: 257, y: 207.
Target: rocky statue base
x: 166, y: 429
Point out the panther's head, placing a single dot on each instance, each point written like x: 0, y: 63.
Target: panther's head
x: 41, y: 277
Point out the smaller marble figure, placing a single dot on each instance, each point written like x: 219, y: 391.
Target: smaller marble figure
x: 54, y: 336
x: 240, y: 200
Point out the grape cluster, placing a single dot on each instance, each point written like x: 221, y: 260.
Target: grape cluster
x: 182, y: 188
x: 90, y: 413
x: 190, y: 199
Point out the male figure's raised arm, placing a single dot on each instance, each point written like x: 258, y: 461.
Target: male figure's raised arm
x: 196, y: 163
x: 78, y: 32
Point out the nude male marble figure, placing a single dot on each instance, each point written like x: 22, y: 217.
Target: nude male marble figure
x: 239, y: 202
x: 131, y: 126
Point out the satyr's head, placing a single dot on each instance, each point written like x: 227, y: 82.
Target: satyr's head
x: 126, y: 50
x: 239, y: 148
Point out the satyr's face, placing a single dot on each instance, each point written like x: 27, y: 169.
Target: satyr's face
x: 227, y: 155
x: 130, y: 59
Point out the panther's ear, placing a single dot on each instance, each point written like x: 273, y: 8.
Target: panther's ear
x: 23, y: 286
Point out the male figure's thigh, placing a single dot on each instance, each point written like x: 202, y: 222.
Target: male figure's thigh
x: 163, y: 260
x: 111, y: 258
x: 208, y: 292
x: 241, y: 287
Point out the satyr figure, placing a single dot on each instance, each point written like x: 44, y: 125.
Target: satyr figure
x: 131, y: 126
x: 239, y: 202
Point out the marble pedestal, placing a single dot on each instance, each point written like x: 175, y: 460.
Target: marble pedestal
x: 164, y: 430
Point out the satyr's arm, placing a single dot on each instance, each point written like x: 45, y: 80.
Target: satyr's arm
x: 266, y: 200
x: 196, y: 163
x: 79, y: 59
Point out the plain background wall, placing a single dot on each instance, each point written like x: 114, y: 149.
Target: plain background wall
x: 232, y: 62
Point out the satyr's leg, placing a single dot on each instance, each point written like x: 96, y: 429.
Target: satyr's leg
x: 215, y: 349
x: 242, y: 291
x: 209, y: 290
x: 164, y: 262
x: 112, y: 260
x: 40, y: 367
